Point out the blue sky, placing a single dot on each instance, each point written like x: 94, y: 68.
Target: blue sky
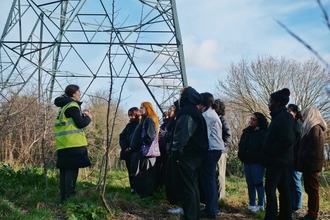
x: 222, y: 32
x: 217, y: 33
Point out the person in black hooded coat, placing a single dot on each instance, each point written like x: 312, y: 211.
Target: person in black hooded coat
x: 189, y: 145
x: 277, y: 154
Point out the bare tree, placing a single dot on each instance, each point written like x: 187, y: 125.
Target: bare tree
x: 22, y: 130
x: 111, y: 120
x: 97, y: 132
x: 249, y: 84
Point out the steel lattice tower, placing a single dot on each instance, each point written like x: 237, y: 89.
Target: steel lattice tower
x: 50, y: 43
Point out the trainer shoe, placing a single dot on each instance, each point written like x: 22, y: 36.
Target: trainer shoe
x: 178, y: 211
x: 257, y: 208
x: 251, y: 207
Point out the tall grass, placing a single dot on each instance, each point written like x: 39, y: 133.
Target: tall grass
x: 24, y: 195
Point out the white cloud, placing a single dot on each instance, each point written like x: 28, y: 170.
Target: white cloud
x: 202, y: 55
x: 218, y: 33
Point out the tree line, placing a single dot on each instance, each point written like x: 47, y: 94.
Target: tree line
x: 26, y: 128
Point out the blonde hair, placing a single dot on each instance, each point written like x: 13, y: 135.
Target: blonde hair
x: 151, y: 113
x: 312, y: 117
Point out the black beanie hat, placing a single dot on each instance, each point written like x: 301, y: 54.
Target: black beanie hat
x: 282, y: 96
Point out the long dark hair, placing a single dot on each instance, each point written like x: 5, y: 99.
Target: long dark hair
x: 262, y: 120
x: 220, y: 107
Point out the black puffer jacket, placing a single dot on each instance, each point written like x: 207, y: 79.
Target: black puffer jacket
x: 250, y: 145
x: 75, y: 157
x: 278, y: 145
x: 125, y: 139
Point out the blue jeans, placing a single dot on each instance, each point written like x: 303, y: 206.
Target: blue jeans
x: 277, y: 177
x: 208, y: 181
x: 254, y: 175
x: 295, y: 188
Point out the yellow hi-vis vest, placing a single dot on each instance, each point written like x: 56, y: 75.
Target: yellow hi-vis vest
x: 67, y: 134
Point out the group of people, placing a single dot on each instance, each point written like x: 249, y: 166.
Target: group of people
x: 191, y: 140
x: 290, y: 146
x: 187, y: 153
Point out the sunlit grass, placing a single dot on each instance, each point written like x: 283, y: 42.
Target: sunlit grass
x: 25, y: 195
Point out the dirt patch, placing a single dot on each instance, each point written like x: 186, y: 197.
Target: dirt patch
x: 138, y: 213
x: 145, y: 216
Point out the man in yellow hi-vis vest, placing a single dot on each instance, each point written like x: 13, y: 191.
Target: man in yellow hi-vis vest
x: 70, y: 139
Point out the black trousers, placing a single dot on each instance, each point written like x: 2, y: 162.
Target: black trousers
x: 185, y: 175
x: 277, y: 177
x: 160, y: 170
x: 144, y: 180
x: 129, y: 167
x: 68, y: 179
x: 169, y: 183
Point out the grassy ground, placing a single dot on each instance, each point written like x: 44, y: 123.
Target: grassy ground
x: 25, y: 195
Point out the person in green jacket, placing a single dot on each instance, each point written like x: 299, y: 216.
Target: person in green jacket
x: 70, y: 139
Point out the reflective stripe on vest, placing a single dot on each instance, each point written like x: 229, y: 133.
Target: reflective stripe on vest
x: 67, y: 134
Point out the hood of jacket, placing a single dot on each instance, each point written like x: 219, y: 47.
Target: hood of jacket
x: 63, y: 100
x: 190, y: 97
x: 275, y: 112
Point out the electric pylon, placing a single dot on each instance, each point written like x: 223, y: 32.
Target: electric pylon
x: 53, y: 43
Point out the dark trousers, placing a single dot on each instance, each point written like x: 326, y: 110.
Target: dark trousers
x: 160, y: 170
x: 277, y: 176
x: 68, y: 179
x: 208, y: 181
x: 185, y: 174
x: 311, y: 185
x: 129, y: 166
x: 169, y: 182
x: 144, y: 180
